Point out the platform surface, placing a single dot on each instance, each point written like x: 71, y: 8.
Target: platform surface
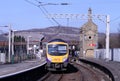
x: 113, y: 66
x: 11, y: 69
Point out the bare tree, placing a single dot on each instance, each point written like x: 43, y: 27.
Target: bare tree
x: 114, y: 43
x: 101, y: 41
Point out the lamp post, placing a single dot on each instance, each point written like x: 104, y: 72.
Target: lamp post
x: 34, y: 47
x: 9, y: 44
x: 28, y: 42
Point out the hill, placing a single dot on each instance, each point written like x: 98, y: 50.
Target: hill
x: 65, y: 33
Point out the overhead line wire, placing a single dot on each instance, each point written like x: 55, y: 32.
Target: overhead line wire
x: 47, y: 12
x: 44, y: 11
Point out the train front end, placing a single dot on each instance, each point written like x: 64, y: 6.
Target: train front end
x: 57, y: 55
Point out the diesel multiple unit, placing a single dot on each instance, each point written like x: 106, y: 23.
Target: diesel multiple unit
x: 57, y: 55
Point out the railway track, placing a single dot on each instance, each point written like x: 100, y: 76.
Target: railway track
x: 72, y: 74
x: 52, y: 77
x: 77, y: 72
x: 90, y: 73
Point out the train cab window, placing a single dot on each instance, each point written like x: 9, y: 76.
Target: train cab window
x: 52, y: 49
x: 62, y: 49
x: 57, y: 49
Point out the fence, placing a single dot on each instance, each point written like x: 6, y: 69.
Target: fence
x: 114, y: 54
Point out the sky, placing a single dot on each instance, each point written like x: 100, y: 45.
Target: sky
x: 22, y: 15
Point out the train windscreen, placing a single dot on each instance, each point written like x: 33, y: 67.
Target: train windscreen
x: 57, y: 50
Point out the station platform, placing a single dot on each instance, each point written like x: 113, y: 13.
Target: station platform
x: 112, y: 66
x: 12, y: 69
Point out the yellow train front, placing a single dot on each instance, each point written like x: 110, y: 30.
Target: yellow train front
x: 57, y: 55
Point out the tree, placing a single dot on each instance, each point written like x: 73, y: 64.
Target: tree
x: 101, y: 41
x: 19, y: 39
x: 19, y: 46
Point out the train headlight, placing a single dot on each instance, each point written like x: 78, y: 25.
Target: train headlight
x: 64, y: 59
x: 50, y: 59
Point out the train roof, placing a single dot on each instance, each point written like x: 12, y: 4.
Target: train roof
x: 57, y: 40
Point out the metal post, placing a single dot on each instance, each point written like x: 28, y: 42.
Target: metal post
x: 34, y: 49
x: 9, y: 46
x: 28, y: 45
x: 12, y: 46
x: 67, y: 22
x: 107, y: 37
x: 9, y: 42
x: 83, y: 45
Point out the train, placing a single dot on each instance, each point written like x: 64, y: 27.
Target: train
x: 57, y: 55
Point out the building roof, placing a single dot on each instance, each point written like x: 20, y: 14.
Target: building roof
x: 57, y: 40
x: 89, y: 25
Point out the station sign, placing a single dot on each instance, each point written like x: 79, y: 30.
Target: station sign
x: 92, y: 44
